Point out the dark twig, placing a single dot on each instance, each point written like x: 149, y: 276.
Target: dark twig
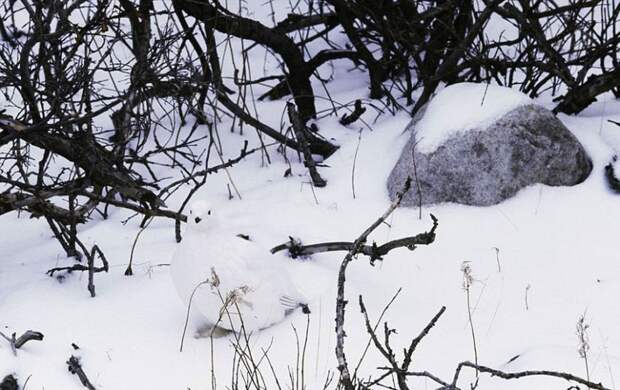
x: 129, y: 270
x: 400, y: 370
x: 90, y: 267
x: 580, y: 97
x: 523, y: 374
x: 374, y: 329
x: 348, y: 119
x: 17, y: 342
x: 28, y: 336
x: 416, y: 341
x: 75, y: 367
x: 300, y: 133
x: 374, y: 251
x: 71, y: 268
x: 9, y: 383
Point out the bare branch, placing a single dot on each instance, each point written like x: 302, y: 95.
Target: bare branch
x: 75, y: 368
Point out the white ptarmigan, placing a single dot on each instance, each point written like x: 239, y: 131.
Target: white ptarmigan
x: 229, y: 280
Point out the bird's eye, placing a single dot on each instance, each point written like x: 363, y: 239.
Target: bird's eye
x: 197, y: 219
x: 209, y: 212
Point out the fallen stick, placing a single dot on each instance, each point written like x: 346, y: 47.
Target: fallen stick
x: 18, y: 342
x: 375, y: 252
x: 75, y: 367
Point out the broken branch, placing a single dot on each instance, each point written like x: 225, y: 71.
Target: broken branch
x: 374, y: 251
x: 75, y: 367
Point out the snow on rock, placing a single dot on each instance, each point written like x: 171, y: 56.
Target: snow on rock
x: 461, y: 107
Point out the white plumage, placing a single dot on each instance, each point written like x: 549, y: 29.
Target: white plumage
x: 233, y: 280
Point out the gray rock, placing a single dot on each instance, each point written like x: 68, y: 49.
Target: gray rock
x: 483, y: 167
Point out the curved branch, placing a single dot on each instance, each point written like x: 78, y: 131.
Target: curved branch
x: 522, y: 374
x: 374, y: 251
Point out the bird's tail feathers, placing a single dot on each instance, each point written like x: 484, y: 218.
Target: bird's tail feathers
x: 290, y: 304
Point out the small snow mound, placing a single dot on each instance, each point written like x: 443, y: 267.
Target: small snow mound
x: 464, y: 106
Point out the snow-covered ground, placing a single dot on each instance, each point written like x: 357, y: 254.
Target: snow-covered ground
x: 540, y: 261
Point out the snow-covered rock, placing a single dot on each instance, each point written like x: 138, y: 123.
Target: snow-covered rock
x: 230, y: 281
x: 461, y: 107
x: 492, y: 156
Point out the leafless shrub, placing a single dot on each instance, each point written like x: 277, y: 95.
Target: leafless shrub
x: 100, y: 98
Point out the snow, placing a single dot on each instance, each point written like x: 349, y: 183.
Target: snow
x: 539, y: 260
x: 461, y: 107
x: 558, y: 241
